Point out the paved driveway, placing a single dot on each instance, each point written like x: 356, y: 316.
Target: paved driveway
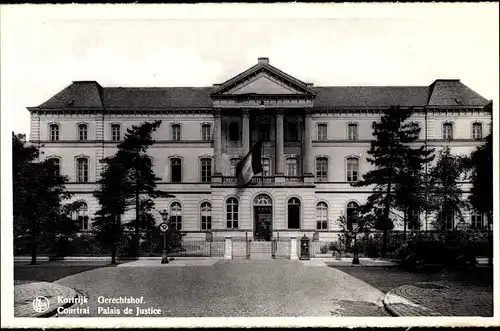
x: 229, y: 288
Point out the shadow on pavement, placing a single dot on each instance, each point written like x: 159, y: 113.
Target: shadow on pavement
x: 49, y: 271
x: 387, y: 278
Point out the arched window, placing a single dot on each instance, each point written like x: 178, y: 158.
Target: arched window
x: 352, y: 131
x: 294, y: 213
x: 82, y: 170
x: 206, y: 216
x: 262, y: 200
x: 233, y: 163
x: 206, y: 170
x: 351, y: 214
x: 232, y: 213
x: 115, y: 132
x: 448, y: 131
x: 176, y: 170
x: 266, y: 167
x: 56, y: 162
x: 477, y: 131
x: 176, y: 215
x: 54, y: 132
x: 82, y: 131
x: 321, y: 216
x: 292, y: 166
x: 206, y: 132
x: 321, y: 169
x: 352, y: 164
x: 322, y: 131
x: 176, y: 132
x: 81, y: 217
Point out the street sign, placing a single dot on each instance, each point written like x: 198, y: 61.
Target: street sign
x: 354, y: 227
x: 163, y: 227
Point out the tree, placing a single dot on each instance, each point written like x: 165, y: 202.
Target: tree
x: 446, y: 194
x: 389, y: 153
x: 481, y: 197
x: 128, y: 182
x: 411, y: 186
x: 112, y: 196
x: 38, y: 192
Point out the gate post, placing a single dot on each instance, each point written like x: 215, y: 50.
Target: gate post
x: 228, y: 248
x: 293, y: 248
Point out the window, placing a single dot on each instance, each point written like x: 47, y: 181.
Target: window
x: 176, y: 170
x: 352, y: 169
x: 115, y: 132
x: 176, y: 132
x: 322, y: 131
x: 206, y: 170
x: 476, y: 221
x: 321, y: 216
x: 266, y: 167
x: 477, y: 131
x: 447, y: 131
x: 351, y: 214
x: 449, y: 219
x: 232, y: 213
x: 233, y: 163
x: 291, y: 132
x: 413, y: 219
x: 206, y: 216
x: 321, y: 169
x: 294, y: 213
x: 176, y: 215
x: 81, y: 217
x: 82, y: 131
x: 54, y: 132
x: 82, y: 170
x: 292, y: 166
x: 56, y: 162
x: 352, y: 131
x: 206, y: 132
x: 234, y: 131
x: 264, y: 131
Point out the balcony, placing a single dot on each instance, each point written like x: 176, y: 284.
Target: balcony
x: 265, y: 181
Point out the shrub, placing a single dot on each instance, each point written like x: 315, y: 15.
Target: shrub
x: 323, y: 249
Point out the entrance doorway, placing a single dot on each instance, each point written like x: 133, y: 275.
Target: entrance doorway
x: 263, y: 217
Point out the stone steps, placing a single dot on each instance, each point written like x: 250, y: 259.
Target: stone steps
x: 260, y: 250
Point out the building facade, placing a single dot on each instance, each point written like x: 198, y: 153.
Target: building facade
x: 315, y: 143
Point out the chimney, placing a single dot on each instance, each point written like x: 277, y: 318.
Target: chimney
x: 263, y: 60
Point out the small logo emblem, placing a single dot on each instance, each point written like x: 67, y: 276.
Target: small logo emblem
x: 41, y: 304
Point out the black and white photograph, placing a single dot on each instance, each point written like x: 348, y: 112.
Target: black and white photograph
x: 250, y: 164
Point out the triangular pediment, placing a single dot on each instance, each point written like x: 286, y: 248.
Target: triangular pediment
x: 263, y: 84
x: 263, y: 79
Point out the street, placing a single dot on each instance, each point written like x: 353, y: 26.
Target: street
x: 250, y: 288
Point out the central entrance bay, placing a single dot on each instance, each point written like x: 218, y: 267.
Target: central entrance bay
x: 263, y: 217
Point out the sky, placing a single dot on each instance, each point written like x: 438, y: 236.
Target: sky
x: 46, y: 47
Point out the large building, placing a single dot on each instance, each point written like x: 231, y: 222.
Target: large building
x: 316, y: 140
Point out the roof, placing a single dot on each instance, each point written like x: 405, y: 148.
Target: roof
x: 89, y: 94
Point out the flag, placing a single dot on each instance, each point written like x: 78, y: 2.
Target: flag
x: 250, y: 165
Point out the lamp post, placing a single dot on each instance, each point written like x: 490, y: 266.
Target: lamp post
x: 164, y: 228
x: 355, y: 229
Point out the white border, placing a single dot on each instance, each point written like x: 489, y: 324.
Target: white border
x: 232, y: 11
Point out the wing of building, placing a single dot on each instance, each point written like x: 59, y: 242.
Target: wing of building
x: 315, y: 140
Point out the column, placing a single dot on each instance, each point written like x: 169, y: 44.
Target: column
x: 293, y: 248
x: 246, y: 131
x: 228, y: 248
x: 279, y: 143
x: 308, y: 154
x: 217, y: 142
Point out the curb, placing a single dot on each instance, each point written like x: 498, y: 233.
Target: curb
x: 402, y: 307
